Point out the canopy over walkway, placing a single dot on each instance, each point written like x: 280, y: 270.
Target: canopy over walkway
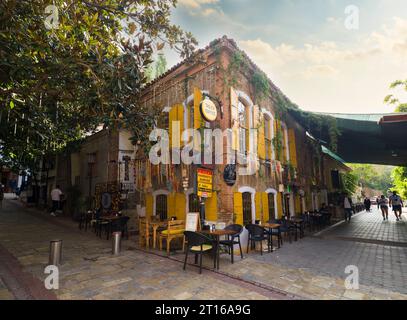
x: 372, y: 138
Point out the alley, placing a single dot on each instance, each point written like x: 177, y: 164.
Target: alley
x: 312, y: 268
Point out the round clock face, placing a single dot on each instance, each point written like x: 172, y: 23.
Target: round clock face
x: 229, y: 175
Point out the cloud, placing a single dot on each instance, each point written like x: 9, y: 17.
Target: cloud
x: 196, y: 4
x: 347, y: 75
x: 320, y: 71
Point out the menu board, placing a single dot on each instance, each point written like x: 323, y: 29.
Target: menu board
x: 192, y: 222
x: 205, y: 183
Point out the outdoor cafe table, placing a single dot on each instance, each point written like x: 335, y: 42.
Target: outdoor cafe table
x: 298, y: 224
x: 272, y: 226
x: 217, y: 234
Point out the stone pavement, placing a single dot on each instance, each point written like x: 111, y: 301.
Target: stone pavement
x: 312, y: 268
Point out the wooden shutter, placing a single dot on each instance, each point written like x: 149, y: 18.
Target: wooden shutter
x: 261, y: 139
x: 258, y: 202
x: 293, y: 147
x: 197, y: 117
x: 173, y: 116
x: 149, y: 205
x: 265, y: 202
x: 171, y: 206
x: 279, y: 205
x: 180, y: 205
x: 234, y: 118
x: 211, y: 208
x: 238, y: 207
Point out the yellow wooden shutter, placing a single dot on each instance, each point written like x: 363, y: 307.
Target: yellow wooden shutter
x: 180, y: 206
x: 149, y: 205
x: 258, y: 202
x: 171, y: 205
x: 279, y: 205
x: 265, y: 201
x: 197, y: 117
x: 173, y: 116
x: 293, y: 147
x: 238, y: 207
x: 277, y: 130
x: 234, y: 119
x: 261, y: 142
x: 297, y: 204
x: 211, y: 208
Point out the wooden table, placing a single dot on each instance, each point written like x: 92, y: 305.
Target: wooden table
x: 297, y: 222
x: 272, y: 226
x: 217, y: 234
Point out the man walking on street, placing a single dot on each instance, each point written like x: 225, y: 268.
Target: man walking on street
x: 397, y: 204
x: 56, y: 200
x: 347, y: 205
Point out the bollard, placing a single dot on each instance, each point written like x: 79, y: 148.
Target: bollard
x: 55, y: 252
x: 116, y: 242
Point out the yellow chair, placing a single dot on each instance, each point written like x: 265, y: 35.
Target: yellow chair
x: 175, y: 230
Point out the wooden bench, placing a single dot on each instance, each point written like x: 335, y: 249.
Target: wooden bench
x: 175, y: 230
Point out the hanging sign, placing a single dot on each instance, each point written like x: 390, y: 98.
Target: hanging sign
x: 229, y: 175
x: 204, y: 183
x: 208, y: 110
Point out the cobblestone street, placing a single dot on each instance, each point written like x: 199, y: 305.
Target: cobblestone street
x: 312, y: 268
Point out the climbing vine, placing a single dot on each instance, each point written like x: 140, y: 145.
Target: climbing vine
x: 320, y: 125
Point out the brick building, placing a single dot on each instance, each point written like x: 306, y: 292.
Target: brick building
x: 292, y: 171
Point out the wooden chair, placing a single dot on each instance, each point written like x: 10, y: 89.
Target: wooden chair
x: 145, y: 236
x: 175, y: 230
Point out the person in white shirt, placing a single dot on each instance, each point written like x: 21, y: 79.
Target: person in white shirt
x: 397, y: 203
x: 56, y: 199
x: 347, y: 205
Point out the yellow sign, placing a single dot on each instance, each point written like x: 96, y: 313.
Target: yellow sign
x: 204, y: 183
x: 208, y: 110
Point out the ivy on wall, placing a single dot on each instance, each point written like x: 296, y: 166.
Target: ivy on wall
x: 319, y: 125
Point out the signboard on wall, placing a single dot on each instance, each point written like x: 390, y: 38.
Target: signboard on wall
x: 204, y: 183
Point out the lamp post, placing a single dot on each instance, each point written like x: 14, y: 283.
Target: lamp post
x: 91, y: 162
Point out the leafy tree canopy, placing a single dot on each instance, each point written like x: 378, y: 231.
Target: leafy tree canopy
x: 64, y: 70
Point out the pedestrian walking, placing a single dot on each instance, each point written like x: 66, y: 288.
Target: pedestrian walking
x: 384, y: 206
x: 347, y: 205
x: 56, y: 200
x: 1, y: 195
x: 397, y: 203
x: 367, y: 204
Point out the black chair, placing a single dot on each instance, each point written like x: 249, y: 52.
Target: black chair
x: 257, y: 234
x: 85, y: 220
x: 233, y: 239
x: 120, y: 225
x: 198, y: 244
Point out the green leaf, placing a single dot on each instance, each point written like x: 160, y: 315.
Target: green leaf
x: 11, y: 104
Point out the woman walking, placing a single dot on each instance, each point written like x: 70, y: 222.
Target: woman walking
x: 384, y: 206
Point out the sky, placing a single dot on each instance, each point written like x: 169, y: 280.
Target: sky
x: 308, y: 49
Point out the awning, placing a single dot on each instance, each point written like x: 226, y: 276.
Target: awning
x: 371, y: 138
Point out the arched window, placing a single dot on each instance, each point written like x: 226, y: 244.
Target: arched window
x: 161, y: 207
x: 244, y: 127
x: 193, y: 203
x: 247, y: 208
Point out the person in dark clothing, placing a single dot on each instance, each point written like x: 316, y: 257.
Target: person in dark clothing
x: 367, y: 204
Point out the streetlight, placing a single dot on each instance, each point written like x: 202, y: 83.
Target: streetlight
x: 91, y: 162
